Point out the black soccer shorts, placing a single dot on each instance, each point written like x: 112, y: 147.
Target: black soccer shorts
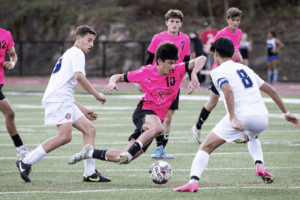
x: 2, y: 97
x: 138, y: 118
x: 175, y: 103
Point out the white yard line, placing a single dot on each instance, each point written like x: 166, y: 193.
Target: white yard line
x: 146, y: 170
x: 149, y: 189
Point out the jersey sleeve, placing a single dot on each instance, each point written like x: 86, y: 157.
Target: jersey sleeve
x: 153, y: 45
x: 181, y: 69
x: 219, y: 79
x: 219, y: 34
x: 78, y: 62
x: 188, y: 46
x: 135, y: 76
x: 258, y: 80
x: 10, y: 42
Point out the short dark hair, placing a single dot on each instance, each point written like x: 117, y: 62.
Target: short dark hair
x: 167, y: 50
x: 174, y: 14
x: 224, y: 46
x: 234, y: 12
x: 273, y: 33
x: 84, y: 30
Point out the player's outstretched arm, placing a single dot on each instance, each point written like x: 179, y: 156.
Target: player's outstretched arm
x: 113, y: 82
x: 196, y: 65
x: 13, y: 59
x: 87, y: 112
x: 266, y: 88
x: 85, y: 84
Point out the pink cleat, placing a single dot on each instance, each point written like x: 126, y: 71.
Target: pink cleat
x: 264, y: 174
x: 189, y: 187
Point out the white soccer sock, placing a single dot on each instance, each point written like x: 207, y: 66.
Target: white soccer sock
x: 89, y: 165
x: 199, y: 163
x: 255, y: 150
x: 19, y: 148
x: 35, y: 156
x: 91, y: 153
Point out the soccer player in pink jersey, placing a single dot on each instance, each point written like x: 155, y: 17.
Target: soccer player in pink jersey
x: 234, y: 33
x: 160, y: 83
x: 182, y: 41
x: 7, y: 45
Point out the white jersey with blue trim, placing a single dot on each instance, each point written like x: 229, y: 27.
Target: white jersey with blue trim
x: 271, y: 47
x: 245, y: 85
x: 62, y: 81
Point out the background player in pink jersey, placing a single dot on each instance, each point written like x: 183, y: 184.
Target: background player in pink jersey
x: 7, y: 45
x: 173, y: 22
x: 160, y: 83
x: 234, y: 33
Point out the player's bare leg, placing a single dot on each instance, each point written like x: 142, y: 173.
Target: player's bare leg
x: 159, y: 151
x: 88, y: 130
x: 64, y: 136
x: 270, y: 67
x: 9, y: 116
x: 153, y: 128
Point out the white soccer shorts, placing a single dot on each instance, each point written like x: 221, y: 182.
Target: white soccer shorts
x: 253, y: 126
x: 61, y: 113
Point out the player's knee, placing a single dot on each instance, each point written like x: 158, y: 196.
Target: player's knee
x: 10, y: 115
x: 158, y: 130
x: 65, y: 139
x: 207, y: 148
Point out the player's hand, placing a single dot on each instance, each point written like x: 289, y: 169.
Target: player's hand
x: 194, y: 85
x: 237, y: 125
x: 101, y: 97
x: 9, y: 65
x: 292, y: 119
x: 110, y: 87
x: 90, y: 115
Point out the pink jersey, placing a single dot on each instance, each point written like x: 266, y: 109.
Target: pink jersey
x: 159, y: 90
x: 182, y: 41
x: 6, y: 43
x: 235, y: 38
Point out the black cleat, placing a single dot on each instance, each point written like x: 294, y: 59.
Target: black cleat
x: 24, y: 169
x: 96, y: 177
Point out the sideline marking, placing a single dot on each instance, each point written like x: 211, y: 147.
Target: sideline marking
x: 182, y: 97
x: 114, y: 190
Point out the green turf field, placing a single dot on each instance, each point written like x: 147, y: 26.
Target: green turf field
x: 230, y: 173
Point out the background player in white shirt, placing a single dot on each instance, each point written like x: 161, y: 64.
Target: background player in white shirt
x: 246, y: 112
x: 63, y: 111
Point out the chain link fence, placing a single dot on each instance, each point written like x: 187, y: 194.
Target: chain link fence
x: 107, y: 58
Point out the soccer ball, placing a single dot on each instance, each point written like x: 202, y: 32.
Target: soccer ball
x: 160, y: 172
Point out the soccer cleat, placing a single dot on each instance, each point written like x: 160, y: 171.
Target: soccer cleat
x: 123, y: 159
x: 83, y: 154
x: 164, y: 155
x: 23, y: 152
x: 240, y: 141
x: 24, y: 169
x: 96, y: 177
x: 264, y: 174
x: 158, y: 152
x: 189, y: 187
x: 196, y: 134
